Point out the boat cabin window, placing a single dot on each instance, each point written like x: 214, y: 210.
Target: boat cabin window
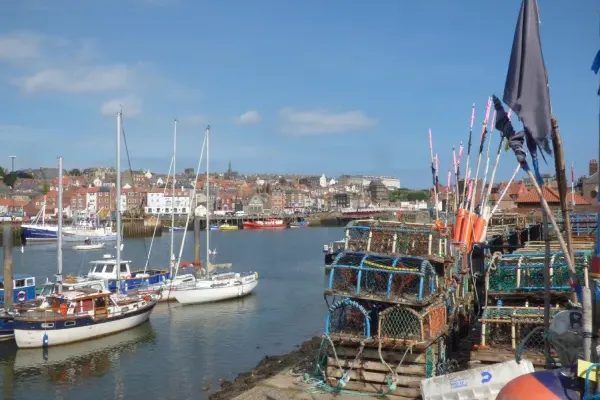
x: 123, y: 267
x: 30, y: 282
x: 109, y: 268
x: 99, y: 302
x: 19, y: 283
x: 46, y: 290
x: 2, y: 285
x: 98, y: 268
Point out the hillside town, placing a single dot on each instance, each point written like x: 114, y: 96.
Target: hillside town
x: 24, y: 193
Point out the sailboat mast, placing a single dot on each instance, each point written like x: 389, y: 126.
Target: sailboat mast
x: 59, y: 256
x: 171, y: 254
x: 207, y: 200
x: 118, y: 207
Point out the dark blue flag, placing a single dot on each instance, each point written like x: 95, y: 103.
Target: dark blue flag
x: 526, y: 90
x: 596, y: 63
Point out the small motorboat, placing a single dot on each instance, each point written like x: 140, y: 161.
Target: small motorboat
x: 176, y: 229
x: 227, y: 227
x: 88, y: 245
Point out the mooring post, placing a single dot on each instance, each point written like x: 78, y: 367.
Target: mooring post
x: 197, y: 241
x: 7, y: 240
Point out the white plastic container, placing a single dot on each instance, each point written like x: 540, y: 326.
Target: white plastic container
x: 482, y: 383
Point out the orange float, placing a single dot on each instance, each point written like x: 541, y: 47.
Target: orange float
x: 478, y: 229
x: 466, y: 235
x: 460, y: 216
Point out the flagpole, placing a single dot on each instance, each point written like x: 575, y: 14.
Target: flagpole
x: 468, y: 155
x: 573, y: 186
x: 433, y: 175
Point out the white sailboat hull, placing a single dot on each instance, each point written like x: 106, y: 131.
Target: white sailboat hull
x: 169, y: 287
x: 97, y: 246
x: 201, y: 295
x: 34, y: 338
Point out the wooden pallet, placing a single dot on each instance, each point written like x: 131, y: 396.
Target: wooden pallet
x: 494, y: 356
x: 369, y: 374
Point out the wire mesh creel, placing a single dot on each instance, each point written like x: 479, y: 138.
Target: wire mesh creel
x: 411, y: 326
x: 382, y: 277
x: 347, y: 317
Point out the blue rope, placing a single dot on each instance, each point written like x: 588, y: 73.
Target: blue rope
x: 536, y: 170
x: 586, y: 393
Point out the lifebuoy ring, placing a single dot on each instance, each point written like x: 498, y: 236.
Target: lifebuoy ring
x: 22, y: 296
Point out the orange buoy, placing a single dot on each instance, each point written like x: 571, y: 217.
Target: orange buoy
x: 478, y: 229
x: 460, y: 216
x: 466, y: 235
x: 63, y: 309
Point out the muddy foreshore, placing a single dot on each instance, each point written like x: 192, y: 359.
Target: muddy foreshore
x: 299, y: 361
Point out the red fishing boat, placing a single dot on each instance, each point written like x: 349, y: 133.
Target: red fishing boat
x: 270, y: 223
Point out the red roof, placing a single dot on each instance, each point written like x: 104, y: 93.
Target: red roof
x: 15, y: 203
x: 550, y: 195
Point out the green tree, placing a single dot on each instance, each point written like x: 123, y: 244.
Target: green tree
x: 74, y: 172
x: 46, y: 188
x: 2, y: 171
x: 10, y: 179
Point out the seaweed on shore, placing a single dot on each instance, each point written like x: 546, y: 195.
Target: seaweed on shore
x: 298, y: 361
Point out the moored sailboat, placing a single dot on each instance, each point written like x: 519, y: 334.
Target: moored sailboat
x: 220, y: 286
x: 83, y: 313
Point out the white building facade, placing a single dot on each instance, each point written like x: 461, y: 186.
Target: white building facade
x: 159, y: 202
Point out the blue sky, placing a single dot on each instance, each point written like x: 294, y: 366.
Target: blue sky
x: 306, y: 86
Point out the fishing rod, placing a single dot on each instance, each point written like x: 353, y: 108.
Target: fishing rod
x: 468, y: 153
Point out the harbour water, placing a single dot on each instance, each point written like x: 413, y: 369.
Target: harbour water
x: 183, y: 352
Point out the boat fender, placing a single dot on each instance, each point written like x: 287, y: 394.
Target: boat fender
x: 45, y: 340
x: 146, y: 298
x: 22, y: 296
x: 256, y: 275
x: 63, y: 309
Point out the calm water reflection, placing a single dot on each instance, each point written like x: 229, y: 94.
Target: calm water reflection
x: 183, y: 350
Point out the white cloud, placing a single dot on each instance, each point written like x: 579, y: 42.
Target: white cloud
x: 317, y: 122
x: 248, y: 118
x: 19, y: 47
x: 131, y: 105
x: 87, y: 79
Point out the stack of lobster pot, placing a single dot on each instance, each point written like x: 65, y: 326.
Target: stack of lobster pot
x: 391, y: 298
x: 512, y: 320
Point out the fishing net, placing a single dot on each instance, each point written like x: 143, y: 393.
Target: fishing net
x: 430, y: 361
x: 383, y: 277
x: 347, y: 317
x: 407, y: 324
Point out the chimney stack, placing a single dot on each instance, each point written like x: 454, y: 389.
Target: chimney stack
x: 593, y: 167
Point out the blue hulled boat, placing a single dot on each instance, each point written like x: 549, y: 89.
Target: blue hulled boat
x: 23, y: 288
x: 23, y: 291
x: 106, y: 269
